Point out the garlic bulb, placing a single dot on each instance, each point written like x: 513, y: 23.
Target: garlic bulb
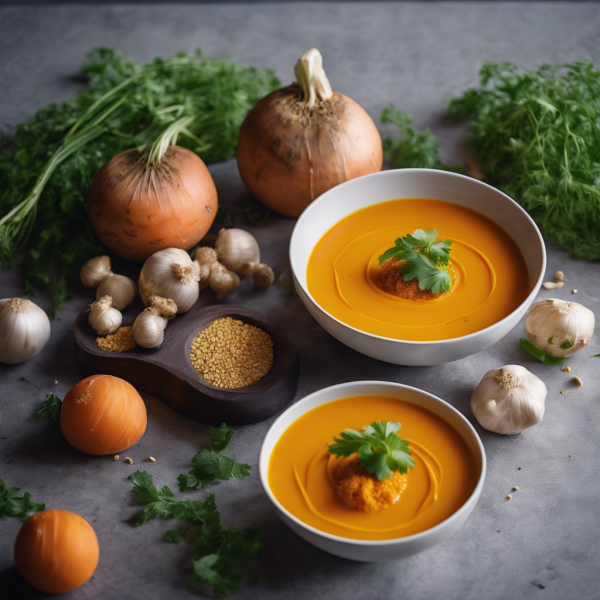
x: 222, y: 280
x: 172, y: 274
x: 103, y: 318
x: 509, y: 400
x: 235, y: 249
x: 149, y: 327
x: 95, y: 271
x: 120, y: 288
x: 24, y: 330
x: 559, y: 328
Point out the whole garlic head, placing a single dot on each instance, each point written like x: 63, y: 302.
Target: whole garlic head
x: 149, y: 327
x: 171, y: 274
x: 558, y: 327
x: 120, y: 288
x: 235, y: 249
x: 509, y: 400
x: 24, y: 330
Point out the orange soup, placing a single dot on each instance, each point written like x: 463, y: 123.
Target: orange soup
x: 491, y: 277
x: 444, y: 476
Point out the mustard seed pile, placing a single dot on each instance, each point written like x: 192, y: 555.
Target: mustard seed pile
x: 119, y: 341
x: 232, y: 354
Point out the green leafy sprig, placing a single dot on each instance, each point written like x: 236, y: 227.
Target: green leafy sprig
x: 212, y: 464
x: 12, y: 504
x: 426, y: 259
x: 534, y: 351
x: 51, y: 408
x: 379, y: 447
x: 536, y: 133
x: 216, y: 549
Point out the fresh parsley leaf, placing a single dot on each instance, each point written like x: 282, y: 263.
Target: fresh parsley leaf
x: 216, y: 549
x: 380, y: 449
x: 211, y: 465
x: 14, y: 505
x: 536, y: 133
x: 51, y: 408
x: 425, y: 259
x: 534, y: 351
x: 220, y: 437
x: 595, y: 355
x: 566, y: 345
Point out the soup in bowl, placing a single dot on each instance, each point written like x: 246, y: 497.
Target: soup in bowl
x: 329, y: 497
x: 466, y: 263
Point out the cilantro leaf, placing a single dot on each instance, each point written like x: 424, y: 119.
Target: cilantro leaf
x: 51, y: 408
x: 566, y: 344
x: 379, y: 447
x: 425, y: 259
x: 534, y: 351
x: 216, y: 549
x: 211, y: 465
x: 14, y: 505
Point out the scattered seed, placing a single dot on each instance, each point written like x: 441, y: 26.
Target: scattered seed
x: 575, y: 291
x: 519, y: 469
x: 553, y: 285
x: 515, y: 488
x: 509, y: 497
x: 128, y: 460
x: 566, y: 369
x: 151, y: 459
x: 563, y: 392
x: 569, y: 456
x: 56, y: 382
x: 116, y: 457
x: 578, y: 381
x: 559, y: 276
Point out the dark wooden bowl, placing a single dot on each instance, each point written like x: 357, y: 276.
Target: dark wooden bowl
x: 167, y: 372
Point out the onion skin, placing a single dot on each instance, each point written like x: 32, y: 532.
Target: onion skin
x: 137, y: 209
x: 56, y: 551
x: 289, y: 154
x: 103, y: 415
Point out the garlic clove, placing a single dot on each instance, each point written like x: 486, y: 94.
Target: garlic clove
x: 121, y: 289
x: 223, y: 281
x: 95, y: 271
x: 171, y: 273
x: 104, y: 318
x: 205, y: 257
x: 558, y: 327
x: 149, y: 327
x: 509, y: 400
x: 235, y: 248
x: 24, y: 330
x: 262, y: 276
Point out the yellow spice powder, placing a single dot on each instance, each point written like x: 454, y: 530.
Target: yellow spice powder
x: 232, y: 354
x: 119, y: 341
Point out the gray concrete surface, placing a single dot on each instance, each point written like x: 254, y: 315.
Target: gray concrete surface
x: 545, y: 543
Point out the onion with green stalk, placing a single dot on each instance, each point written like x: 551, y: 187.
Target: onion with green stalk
x: 144, y: 201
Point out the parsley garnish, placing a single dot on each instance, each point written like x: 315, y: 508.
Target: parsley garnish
x: 566, y: 345
x: 211, y: 465
x: 216, y: 549
x: 380, y: 449
x: 51, y: 408
x: 14, y: 505
x: 426, y: 259
x: 532, y: 349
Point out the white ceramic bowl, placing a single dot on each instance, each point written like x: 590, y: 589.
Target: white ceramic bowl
x: 344, y: 199
x: 366, y: 550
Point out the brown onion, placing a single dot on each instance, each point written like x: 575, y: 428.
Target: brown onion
x: 304, y: 139
x: 144, y: 202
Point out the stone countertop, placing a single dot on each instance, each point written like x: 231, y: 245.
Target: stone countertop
x: 545, y: 543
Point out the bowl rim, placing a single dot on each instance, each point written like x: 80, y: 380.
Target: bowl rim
x: 466, y: 506
x: 527, y: 301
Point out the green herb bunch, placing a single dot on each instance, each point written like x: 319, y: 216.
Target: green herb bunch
x: 426, y: 259
x: 47, y: 164
x: 537, y: 136
x: 379, y: 447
